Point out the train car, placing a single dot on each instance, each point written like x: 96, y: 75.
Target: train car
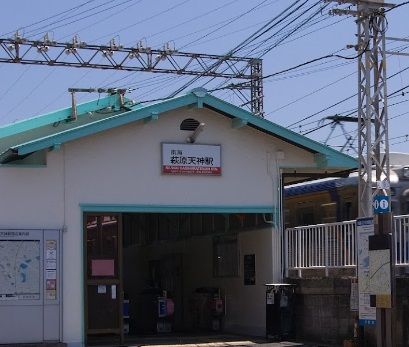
x: 336, y: 199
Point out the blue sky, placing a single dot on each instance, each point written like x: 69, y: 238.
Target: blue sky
x: 206, y: 27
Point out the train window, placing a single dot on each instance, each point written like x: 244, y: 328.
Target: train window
x: 287, y: 222
x: 329, y: 212
x: 406, y: 172
x: 347, y: 211
x: 306, y: 216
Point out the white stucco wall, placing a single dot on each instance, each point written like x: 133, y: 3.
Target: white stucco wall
x: 123, y: 166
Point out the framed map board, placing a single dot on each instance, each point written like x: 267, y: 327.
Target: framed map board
x: 20, y: 276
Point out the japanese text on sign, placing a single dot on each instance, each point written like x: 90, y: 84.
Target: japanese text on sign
x: 191, y: 159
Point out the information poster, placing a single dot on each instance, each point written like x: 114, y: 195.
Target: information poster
x: 249, y: 269
x: 364, y: 229
x: 51, y: 270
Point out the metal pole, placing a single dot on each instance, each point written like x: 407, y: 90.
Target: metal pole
x: 373, y: 140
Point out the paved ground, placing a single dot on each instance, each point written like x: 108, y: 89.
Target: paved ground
x: 195, y: 340
x: 204, y: 341
x: 183, y: 341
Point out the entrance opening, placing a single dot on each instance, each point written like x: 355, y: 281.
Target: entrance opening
x: 174, y: 273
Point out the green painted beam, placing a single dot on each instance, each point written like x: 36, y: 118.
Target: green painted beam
x: 86, y: 207
x: 56, y: 116
x: 153, y: 117
x: 103, y: 124
x: 341, y: 160
x: 238, y: 123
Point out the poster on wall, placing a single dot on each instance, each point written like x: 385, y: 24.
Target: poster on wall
x: 249, y: 269
x: 191, y: 159
x: 51, y: 270
x: 364, y: 229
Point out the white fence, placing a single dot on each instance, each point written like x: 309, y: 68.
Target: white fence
x: 333, y: 245
x: 401, y: 224
x: 321, y: 246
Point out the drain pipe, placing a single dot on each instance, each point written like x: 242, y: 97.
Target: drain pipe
x: 276, y: 222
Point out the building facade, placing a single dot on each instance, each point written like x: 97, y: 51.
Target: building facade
x: 121, y: 202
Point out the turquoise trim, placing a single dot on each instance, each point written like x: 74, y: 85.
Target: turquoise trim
x: 238, y: 123
x: 83, y: 333
x: 152, y: 118
x: 174, y: 208
x: 198, y: 98
x: 103, y: 124
x: 320, y: 160
x: 334, y: 158
x: 56, y: 116
x: 27, y: 166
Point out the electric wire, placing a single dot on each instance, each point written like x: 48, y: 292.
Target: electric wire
x: 232, y: 20
x: 239, y: 16
x: 200, y: 16
x: 267, y: 27
x: 50, y: 17
x: 79, y: 19
x: 311, y: 93
x: 315, y: 4
x: 304, y: 22
x: 156, y: 14
x: 109, y: 16
x: 35, y: 88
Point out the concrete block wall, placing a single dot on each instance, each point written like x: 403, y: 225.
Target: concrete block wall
x: 323, y: 314
x: 323, y: 310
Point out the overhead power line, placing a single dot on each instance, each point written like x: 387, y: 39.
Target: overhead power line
x: 52, y: 28
x: 50, y: 17
x: 258, y: 33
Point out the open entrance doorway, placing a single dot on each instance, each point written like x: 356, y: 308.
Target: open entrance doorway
x: 170, y: 273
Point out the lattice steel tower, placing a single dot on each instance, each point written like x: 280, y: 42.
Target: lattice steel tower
x: 373, y: 147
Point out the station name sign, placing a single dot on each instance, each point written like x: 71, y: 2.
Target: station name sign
x: 181, y: 158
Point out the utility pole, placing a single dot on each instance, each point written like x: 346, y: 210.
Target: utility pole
x: 372, y: 141
x: 47, y: 52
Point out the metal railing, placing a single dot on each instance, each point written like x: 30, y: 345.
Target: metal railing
x: 321, y: 246
x: 333, y: 245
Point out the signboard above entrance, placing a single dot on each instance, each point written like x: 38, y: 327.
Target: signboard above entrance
x: 181, y: 158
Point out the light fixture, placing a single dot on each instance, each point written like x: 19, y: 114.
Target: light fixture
x: 198, y: 130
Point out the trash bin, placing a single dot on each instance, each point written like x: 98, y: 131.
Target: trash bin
x: 280, y: 311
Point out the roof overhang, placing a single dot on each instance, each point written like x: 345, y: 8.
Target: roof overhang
x: 327, y: 161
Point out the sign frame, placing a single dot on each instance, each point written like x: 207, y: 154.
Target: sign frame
x: 379, y: 202
x: 364, y: 228
x: 188, y: 169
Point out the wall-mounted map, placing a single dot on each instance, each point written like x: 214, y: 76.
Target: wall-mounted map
x: 19, y: 270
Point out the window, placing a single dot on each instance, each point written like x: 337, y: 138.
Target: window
x: 225, y: 256
x: 102, y: 232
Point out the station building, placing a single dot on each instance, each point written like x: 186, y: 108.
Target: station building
x: 120, y: 219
